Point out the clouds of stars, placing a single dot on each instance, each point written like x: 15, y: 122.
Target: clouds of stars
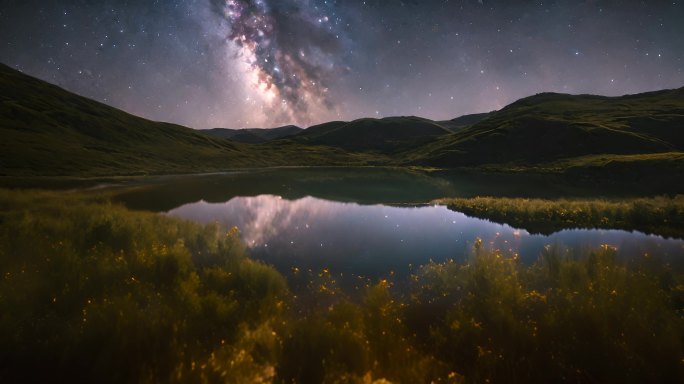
x: 290, y: 49
x: 240, y: 63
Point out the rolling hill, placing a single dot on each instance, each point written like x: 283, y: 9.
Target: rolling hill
x: 387, y: 136
x: 463, y: 122
x: 253, y: 135
x: 48, y: 131
x: 553, y: 128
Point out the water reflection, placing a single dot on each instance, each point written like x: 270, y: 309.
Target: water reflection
x: 372, y: 185
x: 376, y: 241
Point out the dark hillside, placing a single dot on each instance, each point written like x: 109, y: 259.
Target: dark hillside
x: 386, y: 135
x: 46, y: 130
x: 253, y: 135
x: 549, y: 127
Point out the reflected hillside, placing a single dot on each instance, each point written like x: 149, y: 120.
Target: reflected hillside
x: 365, y: 185
x: 355, y: 241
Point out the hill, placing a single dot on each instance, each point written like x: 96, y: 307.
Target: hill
x: 552, y: 128
x: 253, y: 135
x: 388, y: 135
x: 465, y: 121
x: 49, y: 131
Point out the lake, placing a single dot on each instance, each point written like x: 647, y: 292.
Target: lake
x: 366, y: 224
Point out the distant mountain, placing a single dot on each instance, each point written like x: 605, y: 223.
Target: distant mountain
x: 460, y: 123
x: 322, y: 129
x: 551, y: 127
x: 253, y: 135
x: 47, y: 130
x: 387, y: 135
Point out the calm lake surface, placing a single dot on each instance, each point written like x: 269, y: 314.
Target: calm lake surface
x: 370, y: 223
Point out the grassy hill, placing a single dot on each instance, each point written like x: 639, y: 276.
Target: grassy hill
x: 322, y: 129
x: 462, y: 122
x: 46, y: 130
x: 549, y: 128
x: 253, y: 135
x: 388, y: 135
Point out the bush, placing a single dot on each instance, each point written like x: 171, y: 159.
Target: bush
x: 96, y: 293
x: 561, y: 319
x: 92, y: 292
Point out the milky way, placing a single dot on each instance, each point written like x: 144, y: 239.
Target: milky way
x: 290, y: 52
x: 264, y: 63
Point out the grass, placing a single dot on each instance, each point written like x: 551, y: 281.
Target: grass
x: 659, y: 215
x: 385, y: 136
x: 549, y: 128
x: 93, y: 292
x: 48, y: 131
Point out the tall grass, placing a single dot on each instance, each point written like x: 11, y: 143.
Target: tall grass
x: 92, y: 292
x: 660, y: 215
x: 561, y: 319
x: 95, y: 293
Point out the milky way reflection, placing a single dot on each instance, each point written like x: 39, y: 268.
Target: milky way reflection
x: 378, y: 240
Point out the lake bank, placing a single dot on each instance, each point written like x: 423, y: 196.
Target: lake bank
x: 141, y: 296
x: 658, y: 215
x: 499, y: 181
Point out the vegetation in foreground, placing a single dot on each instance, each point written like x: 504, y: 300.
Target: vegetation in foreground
x: 92, y: 292
x: 658, y: 215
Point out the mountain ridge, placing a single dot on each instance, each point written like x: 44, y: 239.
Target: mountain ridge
x: 386, y: 135
x: 47, y: 130
x: 554, y: 126
x: 253, y: 135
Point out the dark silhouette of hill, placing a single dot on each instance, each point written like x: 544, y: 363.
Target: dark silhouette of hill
x: 465, y: 121
x: 388, y: 135
x: 552, y: 127
x: 253, y: 135
x: 322, y: 129
x: 46, y: 130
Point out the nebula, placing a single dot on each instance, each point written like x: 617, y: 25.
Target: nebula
x: 290, y: 48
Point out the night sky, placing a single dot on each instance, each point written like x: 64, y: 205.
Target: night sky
x: 264, y: 63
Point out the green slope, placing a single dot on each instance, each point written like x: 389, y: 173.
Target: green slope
x: 551, y: 127
x: 46, y: 130
x: 463, y: 122
x: 388, y: 135
x: 322, y: 129
x: 253, y: 135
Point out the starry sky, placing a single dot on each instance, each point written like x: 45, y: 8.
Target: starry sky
x: 266, y: 63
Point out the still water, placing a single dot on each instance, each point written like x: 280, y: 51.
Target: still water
x: 379, y: 241
x: 372, y: 223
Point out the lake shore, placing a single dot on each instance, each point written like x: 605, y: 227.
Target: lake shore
x: 146, y: 297
x: 661, y: 215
